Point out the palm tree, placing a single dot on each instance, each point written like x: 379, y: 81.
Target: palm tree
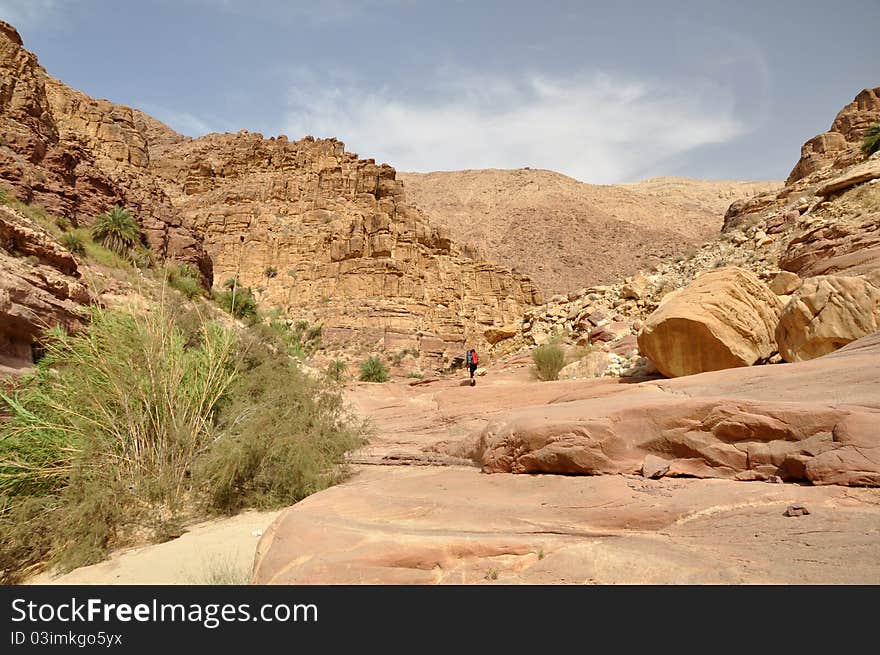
x: 117, y: 230
x: 871, y: 142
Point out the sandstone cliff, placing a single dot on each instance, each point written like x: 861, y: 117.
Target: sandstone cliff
x: 323, y: 234
x: 839, y: 146
x: 316, y: 231
x: 77, y: 156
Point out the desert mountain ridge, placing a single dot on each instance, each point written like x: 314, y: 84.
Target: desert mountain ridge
x: 566, y: 234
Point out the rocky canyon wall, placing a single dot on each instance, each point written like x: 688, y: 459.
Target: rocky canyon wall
x: 316, y: 231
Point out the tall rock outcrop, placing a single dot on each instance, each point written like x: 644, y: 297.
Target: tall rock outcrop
x: 839, y: 146
x: 321, y: 233
x: 77, y: 156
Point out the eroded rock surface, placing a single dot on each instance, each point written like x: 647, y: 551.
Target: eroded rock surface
x: 407, y: 519
x: 723, y: 319
x: 826, y: 313
x: 40, y: 287
x: 839, y: 146
x: 812, y: 421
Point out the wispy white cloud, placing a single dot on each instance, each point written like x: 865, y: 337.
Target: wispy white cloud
x: 599, y: 128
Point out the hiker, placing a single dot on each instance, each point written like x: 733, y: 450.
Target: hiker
x: 472, y: 361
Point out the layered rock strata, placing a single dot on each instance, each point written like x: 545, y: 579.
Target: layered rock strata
x: 315, y: 230
x: 40, y: 286
x: 319, y: 232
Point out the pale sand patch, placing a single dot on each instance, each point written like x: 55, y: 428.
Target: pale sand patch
x: 220, y: 550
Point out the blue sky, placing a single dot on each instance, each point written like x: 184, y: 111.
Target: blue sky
x: 605, y: 92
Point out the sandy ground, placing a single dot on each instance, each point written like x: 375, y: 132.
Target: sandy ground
x: 219, y: 551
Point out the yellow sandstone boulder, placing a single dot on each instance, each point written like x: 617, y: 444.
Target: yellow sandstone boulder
x: 723, y: 319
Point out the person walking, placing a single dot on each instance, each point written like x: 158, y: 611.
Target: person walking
x: 472, y: 361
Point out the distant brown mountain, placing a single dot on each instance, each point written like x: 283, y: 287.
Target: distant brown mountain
x: 566, y: 234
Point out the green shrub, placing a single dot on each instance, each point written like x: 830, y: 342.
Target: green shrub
x: 35, y: 212
x: 117, y: 230
x: 400, y: 355
x: 135, y: 422
x: 373, y: 370
x: 336, y: 370
x: 74, y: 242
x: 281, y: 438
x: 300, y: 340
x: 548, y: 361
x: 185, y: 279
x: 108, y: 425
x: 98, y: 254
x: 238, y: 301
x: 270, y: 272
x: 871, y: 140
x: 126, y: 393
x: 224, y: 571
x: 141, y: 257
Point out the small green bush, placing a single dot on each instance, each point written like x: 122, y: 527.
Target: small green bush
x: 282, y: 437
x: 141, y: 257
x: 74, y: 242
x: 300, y: 340
x: 35, y: 212
x: 185, y: 279
x: 224, y: 571
x: 871, y: 140
x: 117, y: 230
x: 336, y: 370
x: 399, y: 356
x: 238, y: 301
x: 270, y: 272
x: 98, y: 254
x: 548, y: 361
x: 373, y: 370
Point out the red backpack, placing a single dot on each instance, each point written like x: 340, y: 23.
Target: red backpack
x: 474, y: 358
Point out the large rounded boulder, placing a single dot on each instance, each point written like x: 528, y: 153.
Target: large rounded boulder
x: 723, y: 319
x: 826, y: 313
